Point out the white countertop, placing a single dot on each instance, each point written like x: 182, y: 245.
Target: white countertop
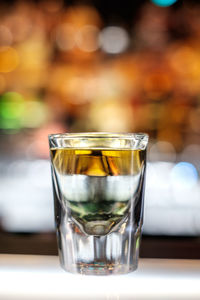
x: 40, y: 277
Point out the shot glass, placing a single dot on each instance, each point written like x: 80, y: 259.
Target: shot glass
x: 98, y: 186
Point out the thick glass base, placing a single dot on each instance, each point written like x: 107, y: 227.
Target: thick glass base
x: 101, y: 269
x: 114, y: 253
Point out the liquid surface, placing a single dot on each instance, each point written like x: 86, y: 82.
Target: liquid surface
x: 97, y: 188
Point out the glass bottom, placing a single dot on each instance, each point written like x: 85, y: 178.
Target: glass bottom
x: 114, y: 253
x: 101, y: 269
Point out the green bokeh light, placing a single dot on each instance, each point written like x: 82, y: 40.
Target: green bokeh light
x: 11, y: 110
x: 10, y: 124
x: 16, y: 113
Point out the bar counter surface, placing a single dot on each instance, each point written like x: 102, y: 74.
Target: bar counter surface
x: 40, y: 277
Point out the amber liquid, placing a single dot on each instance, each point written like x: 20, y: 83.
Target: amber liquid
x: 97, y: 187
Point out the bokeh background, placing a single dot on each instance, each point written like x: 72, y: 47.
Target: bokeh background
x: 74, y: 66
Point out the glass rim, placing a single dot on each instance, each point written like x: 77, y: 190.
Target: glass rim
x: 99, y: 140
x: 91, y: 135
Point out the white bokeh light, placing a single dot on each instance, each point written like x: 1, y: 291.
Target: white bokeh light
x: 114, y: 39
x: 184, y: 175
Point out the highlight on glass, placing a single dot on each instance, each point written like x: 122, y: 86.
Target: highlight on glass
x: 98, y: 185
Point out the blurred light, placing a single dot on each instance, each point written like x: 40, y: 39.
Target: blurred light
x: 9, y: 59
x: 39, y: 146
x: 20, y: 26
x: 11, y: 110
x: 87, y: 38
x: 158, y: 83
x: 194, y: 119
x: 114, y: 39
x: 6, y: 37
x: 80, y: 15
x: 51, y: 6
x: 28, y: 179
x: 12, y: 105
x: 42, y: 169
x: 163, y: 2
x: 184, y: 60
x: 191, y: 153
x: 81, y: 89
x: 162, y: 151
x: 115, y: 115
x: 35, y: 114
x: 159, y: 175
x: 184, y: 175
x: 65, y: 37
x: 15, y: 112
x: 2, y: 83
x: 12, y: 96
x: 10, y: 124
